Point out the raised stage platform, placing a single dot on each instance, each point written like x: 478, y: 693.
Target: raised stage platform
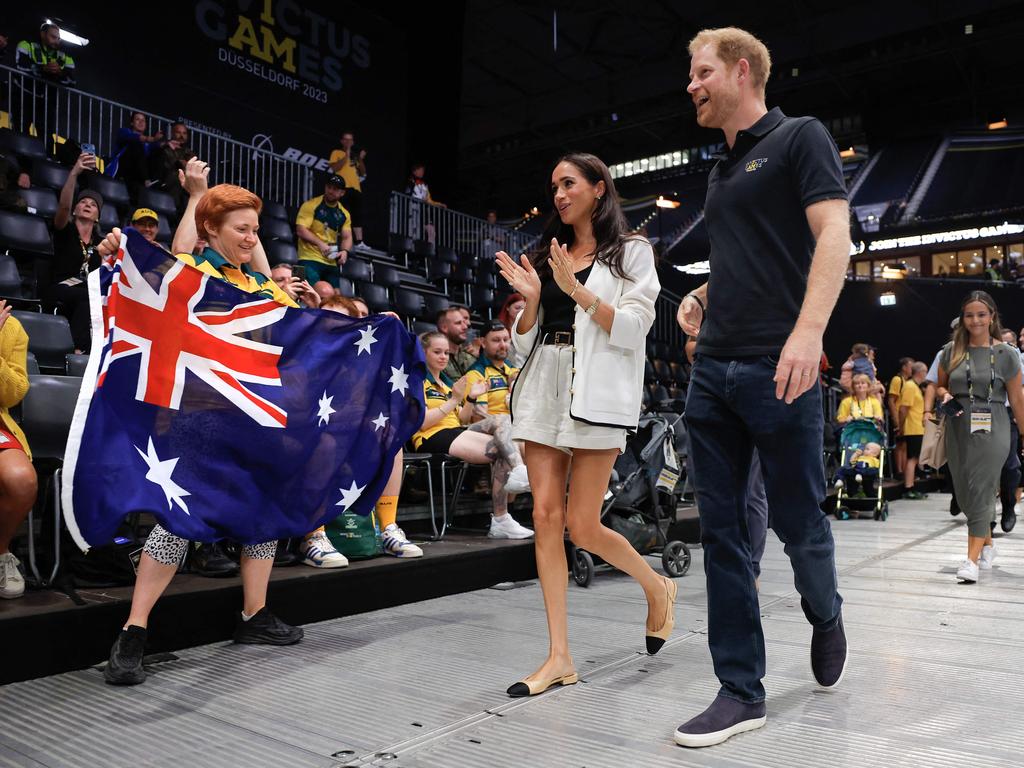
x: 935, y: 677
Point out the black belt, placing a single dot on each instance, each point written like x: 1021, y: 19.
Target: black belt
x: 558, y: 338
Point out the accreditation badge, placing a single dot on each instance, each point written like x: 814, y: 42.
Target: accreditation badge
x: 981, y: 419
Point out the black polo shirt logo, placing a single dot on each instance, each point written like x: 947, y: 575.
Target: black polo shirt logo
x: 753, y: 165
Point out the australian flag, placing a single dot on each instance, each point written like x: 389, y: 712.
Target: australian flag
x: 227, y: 415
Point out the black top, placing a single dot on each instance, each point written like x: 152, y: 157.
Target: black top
x: 68, y: 255
x: 559, y: 309
x: 761, y: 243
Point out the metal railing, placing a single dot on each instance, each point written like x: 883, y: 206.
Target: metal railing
x: 41, y: 108
x: 450, y: 229
x: 665, y: 327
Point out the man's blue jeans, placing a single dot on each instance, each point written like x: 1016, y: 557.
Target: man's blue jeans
x: 731, y: 409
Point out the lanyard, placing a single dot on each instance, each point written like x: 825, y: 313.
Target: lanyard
x: 991, y: 370
x: 857, y: 409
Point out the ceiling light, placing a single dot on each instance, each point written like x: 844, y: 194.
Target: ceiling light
x: 67, y: 36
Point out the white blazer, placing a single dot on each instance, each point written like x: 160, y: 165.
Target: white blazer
x: 608, y: 378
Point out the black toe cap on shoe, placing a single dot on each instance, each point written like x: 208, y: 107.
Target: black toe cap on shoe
x: 654, y: 644
x: 517, y: 690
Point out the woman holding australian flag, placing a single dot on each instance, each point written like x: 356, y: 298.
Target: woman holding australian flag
x: 208, y: 402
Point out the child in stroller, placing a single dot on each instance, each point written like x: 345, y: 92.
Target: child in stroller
x: 862, y: 456
x: 861, y: 473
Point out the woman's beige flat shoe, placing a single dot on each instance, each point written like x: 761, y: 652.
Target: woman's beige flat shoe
x: 657, y: 639
x: 533, y: 687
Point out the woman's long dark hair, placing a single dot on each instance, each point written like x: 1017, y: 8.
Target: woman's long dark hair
x: 961, y: 338
x: 611, y: 230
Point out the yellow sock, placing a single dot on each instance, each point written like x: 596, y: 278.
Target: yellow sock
x: 387, y: 510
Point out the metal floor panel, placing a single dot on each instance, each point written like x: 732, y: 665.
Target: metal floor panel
x: 935, y: 678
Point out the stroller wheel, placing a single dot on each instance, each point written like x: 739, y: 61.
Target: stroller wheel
x: 883, y: 513
x: 582, y: 567
x: 675, y: 559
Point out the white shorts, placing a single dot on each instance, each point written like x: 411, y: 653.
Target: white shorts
x: 541, y: 413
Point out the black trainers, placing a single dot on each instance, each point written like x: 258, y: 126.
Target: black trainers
x: 724, y: 718
x: 266, y: 629
x: 1009, y: 520
x: 125, y: 665
x: 829, y: 653
x: 211, y: 560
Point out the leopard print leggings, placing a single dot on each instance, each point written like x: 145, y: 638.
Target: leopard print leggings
x: 164, y: 547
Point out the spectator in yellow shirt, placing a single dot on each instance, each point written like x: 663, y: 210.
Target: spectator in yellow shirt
x: 912, y: 425
x: 350, y: 163
x: 893, y: 396
x: 324, y: 229
x: 861, y: 404
x: 490, y: 367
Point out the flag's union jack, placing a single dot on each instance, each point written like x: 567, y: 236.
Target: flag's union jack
x: 164, y: 328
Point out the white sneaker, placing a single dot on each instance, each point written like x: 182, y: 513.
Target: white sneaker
x: 967, y: 572
x: 518, y: 480
x: 12, y: 583
x: 839, y: 483
x: 988, y: 554
x: 318, y: 552
x: 362, y: 247
x: 507, y: 528
x: 394, y: 542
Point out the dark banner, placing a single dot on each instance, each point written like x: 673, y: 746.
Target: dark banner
x: 284, y: 75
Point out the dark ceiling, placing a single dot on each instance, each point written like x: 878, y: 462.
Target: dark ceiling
x: 609, y: 77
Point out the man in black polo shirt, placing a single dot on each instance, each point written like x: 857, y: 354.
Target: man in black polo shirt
x: 777, y: 218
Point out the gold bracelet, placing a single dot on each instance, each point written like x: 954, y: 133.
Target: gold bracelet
x: 574, y: 289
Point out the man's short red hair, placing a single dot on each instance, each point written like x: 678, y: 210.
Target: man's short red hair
x: 219, y: 202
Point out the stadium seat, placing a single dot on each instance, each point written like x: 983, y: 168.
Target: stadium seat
x: 114, y: 191
x: 109, y: 218
x: 25, y: 147
x: 649, y: 377
x: 31, y: 364
x: 438, y: 270
x: 448, y: 255
x: 345, y: 287
x: 159, y: 201
x: 661, y: 371
x: 468, y: 260
x: 75, y: 364
x: 46, y: 414
x: 419, y: 327
x: 463, y: 275
x: 481, y: 298
x: 487, y: 266
x: 281, y: 253
x: 679, y: 375
x: 387, y: 276
x: 424, y: 249
x: 274, y: 210
x: 433, y: 304
x: 275, y: 229
x: 40, y: 201
x: 24, y: 233
x: 10, y: 278
x: 48, y: 174
x: 357, y: 270
x: 409, y: 303
x: 486, y: 281
x: 399, y: 245
x: 49, y: 338
x: 375, y: 296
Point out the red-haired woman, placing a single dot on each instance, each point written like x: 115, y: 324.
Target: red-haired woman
x: 510, y: 310
x: 228, y: 218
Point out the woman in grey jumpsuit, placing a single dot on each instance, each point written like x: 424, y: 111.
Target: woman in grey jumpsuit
x: 981, y: 374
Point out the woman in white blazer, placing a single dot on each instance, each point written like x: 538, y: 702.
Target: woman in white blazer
x: 589, y: 305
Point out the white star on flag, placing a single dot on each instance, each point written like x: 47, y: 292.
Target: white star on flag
x: 366, y: 338
x: 160, y: 473
x: 399, y: 380
x: 325, y: 411
x: 349, y: 497
x: 380, y: 422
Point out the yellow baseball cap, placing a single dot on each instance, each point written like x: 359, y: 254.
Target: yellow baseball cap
x: 144, y: 213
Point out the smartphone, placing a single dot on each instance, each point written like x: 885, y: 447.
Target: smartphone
x: 299, y: 271
x: 89, y: 149
x: 953, y: 408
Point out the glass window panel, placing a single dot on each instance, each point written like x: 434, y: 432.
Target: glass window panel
x: 972, y: 263
x: 943, y: 264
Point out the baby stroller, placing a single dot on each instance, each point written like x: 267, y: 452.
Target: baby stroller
x: 854, y: 436
x: 642, y: 497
